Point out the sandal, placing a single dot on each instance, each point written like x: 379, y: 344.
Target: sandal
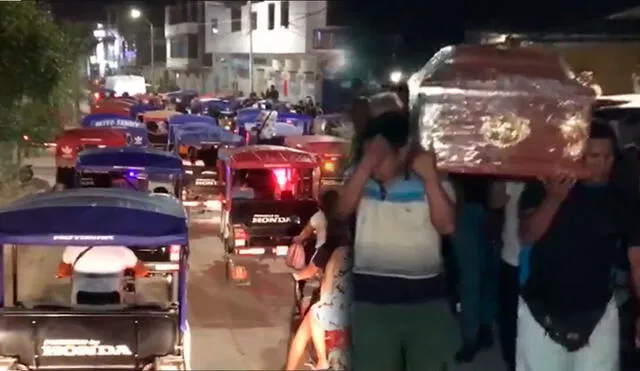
x: 313, y: 367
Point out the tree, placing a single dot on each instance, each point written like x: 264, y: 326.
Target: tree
x: 36, y: 56
x: 72, y: 87
x: 32, y: 54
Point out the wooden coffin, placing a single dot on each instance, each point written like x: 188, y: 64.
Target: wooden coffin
x: 501, y: 111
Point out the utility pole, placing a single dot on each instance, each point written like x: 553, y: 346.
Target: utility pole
x: 108, y: 19
x: 153, y: 62
x: 250, y: 46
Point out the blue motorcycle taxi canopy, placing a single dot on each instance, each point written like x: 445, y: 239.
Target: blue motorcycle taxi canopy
x: 184, y: 119
x: 94, y: 216
x: 245, y: 115
x: 149, y: 160
x: 137, y: 131
x: 194, y: 134
x: 216, y: 104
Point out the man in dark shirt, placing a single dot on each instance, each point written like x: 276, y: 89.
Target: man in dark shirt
x: 568, y: 319
x: 273, y: 93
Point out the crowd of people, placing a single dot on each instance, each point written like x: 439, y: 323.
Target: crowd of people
x: 541, y: 259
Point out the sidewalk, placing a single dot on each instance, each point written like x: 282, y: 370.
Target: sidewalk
x: 41, y: 162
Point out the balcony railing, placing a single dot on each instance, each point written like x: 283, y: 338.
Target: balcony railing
x: 329, y: 38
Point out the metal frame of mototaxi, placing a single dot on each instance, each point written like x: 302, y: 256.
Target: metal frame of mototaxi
x: 157, y: 116
x: 154, y: 163
x: 133, y: 161
x: 97, y: 337
x: 186, y: 120
x: 331, y: 151
x: 262, y: 157
x: 197, y: 134
x: 250, y: 115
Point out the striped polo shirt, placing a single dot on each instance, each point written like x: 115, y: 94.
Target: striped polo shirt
x: 397, y: 250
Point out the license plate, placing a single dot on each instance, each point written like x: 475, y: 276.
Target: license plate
x: 282, y: 250
x: 205, y: 182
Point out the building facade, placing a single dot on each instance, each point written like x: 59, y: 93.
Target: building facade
x: 293, y: 44
x: 188, y: 65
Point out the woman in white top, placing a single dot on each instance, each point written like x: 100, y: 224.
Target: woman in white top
x: 318, y: 223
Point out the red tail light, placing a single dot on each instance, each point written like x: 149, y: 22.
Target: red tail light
x: 283, y: 177
x: 174, y: 253
x: 240, y: 234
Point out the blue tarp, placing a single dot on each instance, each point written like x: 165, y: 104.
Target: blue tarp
x: 283, y: 129
x: 245, y: 115
x: 184, y: 119
x: 94, y: 216
x: 250, y: 115
x: 216, y: 105
x: 137, y: 131
x: 194, y: 134
x: 305, y: 120
x: 149, y: 160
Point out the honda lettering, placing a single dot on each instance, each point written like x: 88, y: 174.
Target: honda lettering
x: 82, y: 348
x: 270, y: 219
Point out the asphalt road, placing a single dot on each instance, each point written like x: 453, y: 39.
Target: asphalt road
x: 233, y: 328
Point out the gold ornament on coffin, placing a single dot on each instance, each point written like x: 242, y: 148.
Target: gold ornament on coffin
x: 575, y: 132
x: 505, y: 130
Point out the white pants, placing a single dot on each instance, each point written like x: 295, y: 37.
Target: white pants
x: 535, y: 351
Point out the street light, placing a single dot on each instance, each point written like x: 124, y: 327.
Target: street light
x: 395, y: 76
x: 135, y: 14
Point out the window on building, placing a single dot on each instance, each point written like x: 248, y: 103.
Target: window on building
x: 214, y: 25
x: 207, y: 60
x: 178, y: 47
x: 236, y: 19
x: 284, y: 13
x: 272, y: 16
x: 254, y: 20
x: 197, y: 9
x: 193, y: 47
x: 176, y: 14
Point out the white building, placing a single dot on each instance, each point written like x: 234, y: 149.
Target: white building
x: 106, y: 57
x: 184, y: 31
x: 293, y: 47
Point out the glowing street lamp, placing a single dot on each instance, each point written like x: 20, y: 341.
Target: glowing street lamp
x: 395, y: 77
x: 136, y: 14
